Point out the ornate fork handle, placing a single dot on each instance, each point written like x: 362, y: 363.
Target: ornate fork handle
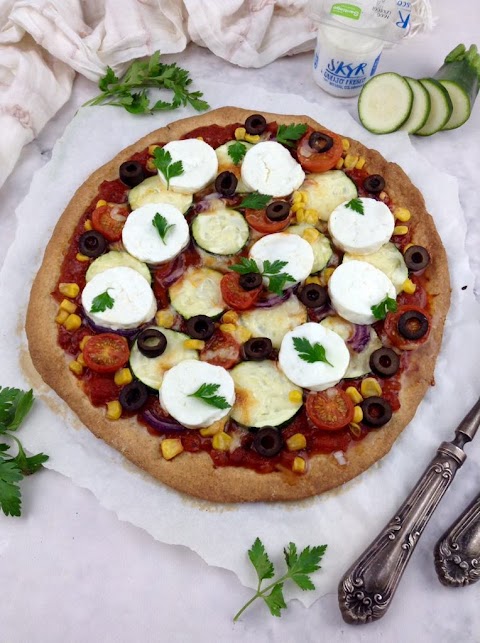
x: 457, y: 553
x: 367, y: 589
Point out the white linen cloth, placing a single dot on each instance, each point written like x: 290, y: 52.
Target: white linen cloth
x: 42, y: 43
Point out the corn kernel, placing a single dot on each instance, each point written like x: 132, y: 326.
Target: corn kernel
x: 296, y: 442
x: 326, y: 274
x: 295, y: 397
x: 240, y: 133
x: 213, y: 429
x: 300, y: 214
x: 68, y: 305
x: 409, y: 245
x: 80, y: 257
x: 242, y: 334
x: 101, y: 203
x: 165, y: 318
x: 171, y: 447
x: 150, y: 165
x: 73, y: 322
x: 402, y: 214
x: 87, y: 225
x: 123, y: 376
x: 81, y: 359
x: 354, y: 395
x: 313, y: 280
x: 227, y: 328
x: 382, y: 196
x: 69, y: 290
x: 360, y: 163
x: 297, y: 197
x: 400, y: 230
x: 252, y: 138
x: 200, y: 138
x: 339, y: 164
x: 61, y: 316
x: 221, y: 441
x: 298, y: 205
x: 299, y: 465
x: 355, y: 429
x: 152, y: 148
x: 194, y: 344
x: 350, y: 161
x: 114, y: 410
x: 311, y: 234
x: 370, y: 387
x: 76, y: 367
x: 357, y: 414
x: 409, y: 287
x: 311, y: 216
x: 84, y: 340
x: 345, y: 144
x: 230, y: 317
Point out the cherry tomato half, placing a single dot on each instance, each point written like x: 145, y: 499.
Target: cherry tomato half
x: 330, y: 410
x: 109, y: 220
x: 258, y: 220
x: 234, y: 295
x: 106, y: 353
x: 221, y: 350
x: 313, y: 161
x: 391, y: 328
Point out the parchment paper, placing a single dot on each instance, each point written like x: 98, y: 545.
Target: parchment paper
x: 347, y: 518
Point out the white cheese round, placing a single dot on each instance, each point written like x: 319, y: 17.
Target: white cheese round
x: 361, y: 233
x: 269, y: 168
x: 142, y: 239
x: 291, y: 248
x: 355, y: 287
x: 274, y: 322
x: 133, y: 299
x: 315, y: 375
x: 200, y: 165
x: 186, y: 378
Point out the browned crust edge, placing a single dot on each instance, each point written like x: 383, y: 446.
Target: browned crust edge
x: 195, y: 474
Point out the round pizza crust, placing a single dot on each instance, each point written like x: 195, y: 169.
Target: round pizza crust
x: 194, y: 473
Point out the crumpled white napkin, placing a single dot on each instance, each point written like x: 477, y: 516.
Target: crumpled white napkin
x: 43, y: 41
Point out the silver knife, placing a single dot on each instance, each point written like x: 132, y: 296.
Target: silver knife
x: 366, y: 591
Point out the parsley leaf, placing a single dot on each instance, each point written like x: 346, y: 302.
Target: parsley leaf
x: 276, y: 283
x: 310, y: 353
x: 163, y: 161
x: 237, y: 151
x: 245, y: 266
x: 206, y: 393
x: 299, y: 568
x: 14, y: 406
x: 131, y: 90
x: 101, y: 302
x: 271, y: 270
x: 162, y: 226
x: 356, y: 205
x: 386, y: 305
x: 10, y: 494
x: 255, y: 201
x: 286, y: 134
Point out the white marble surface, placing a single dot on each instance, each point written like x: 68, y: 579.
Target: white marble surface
x: 74, y: 572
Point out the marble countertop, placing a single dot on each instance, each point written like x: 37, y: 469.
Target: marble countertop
x: 76, y: 573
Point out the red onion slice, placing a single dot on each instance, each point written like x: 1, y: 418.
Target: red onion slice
x: 360, y: 338
x: 177, y: 271
x: 129, y: 333
x: 161, y: 424
x: 271, y: 299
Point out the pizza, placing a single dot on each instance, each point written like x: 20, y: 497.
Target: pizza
x: 246, y: 305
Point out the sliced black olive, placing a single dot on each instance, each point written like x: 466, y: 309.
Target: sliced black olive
x: 416, y: 258
x: 412, y: 324
x: 133, y: 396
x: 255, y: 124
x: 268, y: 442
x: 250, y: 281
x: 384, y: 362
x: 226, y: 183
x: 200, y: 327
x: 320, y: 142
x: 151, y: 342
x: 374, y: 183
x: 131, y: 173
x: 257, y: 348
x: 376, y: 411
x: 313, y: 295
x: 278, y: 210
x: 92, y: 244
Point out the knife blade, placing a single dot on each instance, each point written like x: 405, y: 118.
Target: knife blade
x: 366, y: 590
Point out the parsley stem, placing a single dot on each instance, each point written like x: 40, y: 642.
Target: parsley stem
x: 260, y: 594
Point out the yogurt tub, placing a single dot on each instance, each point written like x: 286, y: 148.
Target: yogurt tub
x: 344, y: 60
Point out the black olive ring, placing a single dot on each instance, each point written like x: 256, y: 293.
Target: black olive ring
x: 133, y: 396
x: 376, y: 411
x: 200, y: 327
x: 320, y: 142
x: 268, y: 442
x: 151, y: 342
x: 92, y: 244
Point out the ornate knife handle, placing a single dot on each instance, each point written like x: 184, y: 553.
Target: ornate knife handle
x: 457, y: 553
x: 366, y: 591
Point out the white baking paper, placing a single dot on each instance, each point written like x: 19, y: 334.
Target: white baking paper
x: 347, y: 518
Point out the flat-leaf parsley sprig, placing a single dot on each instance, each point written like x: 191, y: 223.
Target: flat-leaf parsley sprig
x: 207, y: 393
x: 356, y: 205
x: 310, y: 353
x: 14, y: 407
x: 163, y: 162
x: 271, y: 269
x: 287, y: 134
x: 131, y: 90
x: 299, y: 568
x: 385, y: 306
x: 162, y: 226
